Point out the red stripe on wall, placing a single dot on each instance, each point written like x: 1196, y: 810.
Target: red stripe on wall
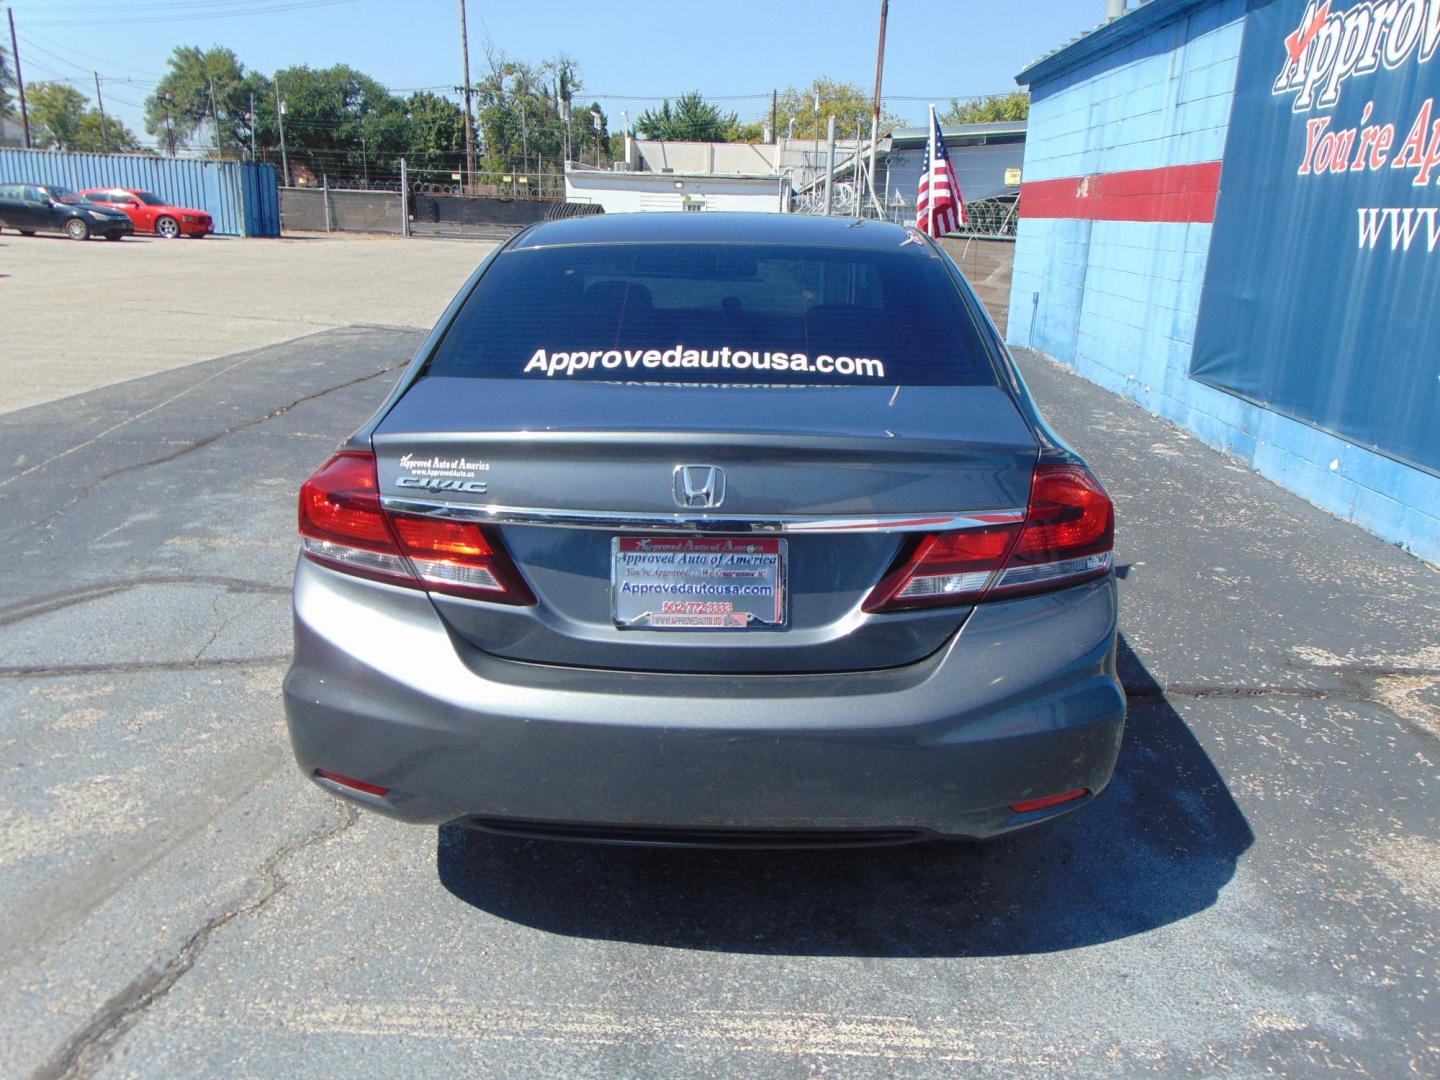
x: 1174, y: 193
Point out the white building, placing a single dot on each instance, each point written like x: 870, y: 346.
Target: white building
x: 669, y: 174
x: 632, y: 192
x: 12, y: 133
x: 792, y: 174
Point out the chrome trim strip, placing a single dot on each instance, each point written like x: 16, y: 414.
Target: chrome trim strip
x: 773, y: 524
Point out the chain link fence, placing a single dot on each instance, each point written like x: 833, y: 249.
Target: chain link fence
x: 427, y: 209
x: 986, y: 219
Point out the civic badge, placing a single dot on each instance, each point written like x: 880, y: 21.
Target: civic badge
x: 699, y: 486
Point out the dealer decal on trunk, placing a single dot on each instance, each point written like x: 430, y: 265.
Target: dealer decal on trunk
x: 443, y: 474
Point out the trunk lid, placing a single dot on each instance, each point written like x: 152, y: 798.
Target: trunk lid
x: 601, y: 460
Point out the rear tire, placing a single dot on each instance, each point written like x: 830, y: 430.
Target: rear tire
x: 77, y: 229
x: 167, y: 227
x: 115, y: 236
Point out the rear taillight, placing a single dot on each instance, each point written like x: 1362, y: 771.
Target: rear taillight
x: 1069, y: 532
x: 458, y: 557
x: 343, y: 525
x: 1067, y: 537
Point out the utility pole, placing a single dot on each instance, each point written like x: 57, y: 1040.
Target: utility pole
x: 816, y: 150
x: 100, y: 103
x: 829, y: 166
x: 214, y: 117
x: 280, y: 120
x: 875, y: 105
x: 857, y: 168
x: 404, y: 200
x: 469, y: 124
x: 775, y: 116
x: 252, y: 125
x: 19, y: 78
x: 169, y: 130
x: 565, y: 116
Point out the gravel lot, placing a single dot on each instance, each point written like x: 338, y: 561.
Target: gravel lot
x: 1258, y: 892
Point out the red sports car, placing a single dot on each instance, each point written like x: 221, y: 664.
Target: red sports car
x: 150, y: 213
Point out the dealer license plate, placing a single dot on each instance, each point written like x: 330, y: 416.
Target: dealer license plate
x: 697, y: 582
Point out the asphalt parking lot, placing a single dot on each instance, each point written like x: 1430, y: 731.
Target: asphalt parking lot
x: 1258, y: 891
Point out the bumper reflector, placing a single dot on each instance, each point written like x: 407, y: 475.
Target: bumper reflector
x: 1049, y: 800
x: 357, y: 785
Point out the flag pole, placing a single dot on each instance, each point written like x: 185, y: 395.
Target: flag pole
x: 930, y: 227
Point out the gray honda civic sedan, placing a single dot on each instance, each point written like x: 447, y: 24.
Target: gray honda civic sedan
x: 709, y: 529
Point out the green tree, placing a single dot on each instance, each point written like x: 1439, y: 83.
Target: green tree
x: 56, y: 110
x: 587, y: 136
x: 7, y: 80
x: 434, y: 135
x: 521, y: 116
x: 518, y: 115
x: 204, y: 99
x: 692, y: 119
x: 61, y: 119
x: 752, y: 132
x: 988, y: 110
x: 104, y: 135
x: 847, y: 102
x: 339, y: 122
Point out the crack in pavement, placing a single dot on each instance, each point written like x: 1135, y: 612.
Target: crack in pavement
x: 35, y: 606
x: 244, y: 358
x: 1353, y: 691
x: 207, y: 440
x: 86, y: 1050
x: 140, y: 666
x: 188, y: 448
x: 1354, y: 688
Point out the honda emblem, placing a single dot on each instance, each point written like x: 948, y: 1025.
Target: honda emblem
x: 699, y: 486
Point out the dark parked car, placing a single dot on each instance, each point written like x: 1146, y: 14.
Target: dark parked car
x: 709, y: 528
x: 32, y: 208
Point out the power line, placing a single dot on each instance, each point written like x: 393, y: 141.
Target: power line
x: 80, y: 52
x: 54, y: 56
x: 266, y: 9
x: 26, y: 37
x: 142, y: 6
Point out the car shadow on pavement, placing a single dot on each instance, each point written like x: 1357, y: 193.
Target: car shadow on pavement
x: 1157, y: 846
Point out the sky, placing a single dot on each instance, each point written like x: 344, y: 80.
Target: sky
x: 631, y: 53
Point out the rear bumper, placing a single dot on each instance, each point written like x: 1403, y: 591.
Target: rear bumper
x: 1022, y: 703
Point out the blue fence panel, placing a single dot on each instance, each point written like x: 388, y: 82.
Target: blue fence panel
x: 241, y: 196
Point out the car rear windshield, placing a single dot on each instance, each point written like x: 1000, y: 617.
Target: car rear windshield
x: 716, y: 313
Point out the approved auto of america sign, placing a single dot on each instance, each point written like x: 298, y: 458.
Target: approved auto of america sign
x: 1332, y: 44
x: 1327, y: 50
x: 1325, y: 252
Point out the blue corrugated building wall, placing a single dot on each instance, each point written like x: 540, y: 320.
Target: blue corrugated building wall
x: 1126, y: 139
x: 241, y: 196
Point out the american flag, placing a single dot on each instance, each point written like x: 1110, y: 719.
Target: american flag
x: 940, y: 207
